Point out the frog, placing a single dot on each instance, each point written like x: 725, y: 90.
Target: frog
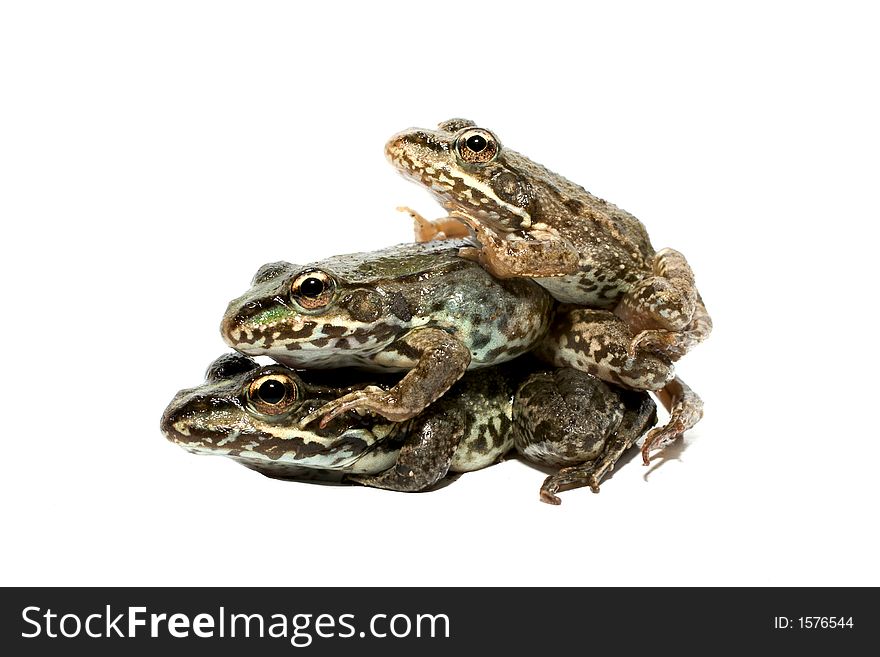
x: 415, y: 308
x: 560, y: 418
x: 587, y: 252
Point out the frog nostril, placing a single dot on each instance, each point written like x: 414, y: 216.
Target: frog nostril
x: 251, y: 305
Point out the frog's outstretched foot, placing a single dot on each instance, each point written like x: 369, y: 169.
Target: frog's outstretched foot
x: 685, y: 410
x: 426, y: 455
x: 522, y: 256
x: 426, y: 230
x: 598, y: 342
x: 576, y: 476
x: 442, y: 360
x: 667, y: 300
x: 675, y: 344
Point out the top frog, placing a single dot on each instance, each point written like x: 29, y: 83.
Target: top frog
x: 534, y: 223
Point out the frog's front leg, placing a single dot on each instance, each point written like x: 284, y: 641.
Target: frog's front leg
x: 442, y: 359
x: 426, y: 230
x: 571, y: 420
x: 521, y: 254
x: 426, y: 455
x: 666, y: 300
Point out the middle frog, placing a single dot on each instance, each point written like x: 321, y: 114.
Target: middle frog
x: 415, y: 307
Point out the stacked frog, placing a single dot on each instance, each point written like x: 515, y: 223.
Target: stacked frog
x: 554, y: 296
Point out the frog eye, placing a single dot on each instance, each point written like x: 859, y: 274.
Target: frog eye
x: 477, y: 146
x: 312, y: 290
x: 272, y: 394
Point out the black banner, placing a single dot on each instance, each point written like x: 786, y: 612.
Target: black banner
x: 435, y: 621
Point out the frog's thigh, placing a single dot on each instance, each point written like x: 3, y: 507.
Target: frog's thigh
x: 523, y: 258
x: 638, y: 419
x: 591, y: 473
x: 598, y: 342
x: 427, y: 453
x: 442, y: 360
x: 564, y: 416
x: 667, y: 300
x: 568, y: 418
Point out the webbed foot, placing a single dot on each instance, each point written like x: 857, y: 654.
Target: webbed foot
x: 685, y: 410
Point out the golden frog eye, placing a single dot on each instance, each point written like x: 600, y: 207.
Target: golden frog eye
x: 477, y: 146
x: 272, y: 394
x: 312, y: 290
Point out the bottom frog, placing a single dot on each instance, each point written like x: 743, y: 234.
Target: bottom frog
x: 560, y: 418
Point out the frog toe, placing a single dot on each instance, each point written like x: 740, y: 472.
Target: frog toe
x: 330, y: 410
x: 579, y: 476
x: 377, y: 401
x: 661, y: 437
x: 350, y: 402
x: 549, y: 495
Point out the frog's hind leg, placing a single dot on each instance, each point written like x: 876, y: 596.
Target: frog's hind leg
x: 427, y: 453
x: 571, y: 420
x: 635, y: 423
x: 675, y: 344
x: 426, y: 230
x: 667, y: 300
x: 598, y: 342
x: 685, y: 410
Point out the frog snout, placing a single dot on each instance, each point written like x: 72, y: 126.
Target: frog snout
x: 189, y: 416
x: 236, y: 319
x: 395, y: 147
x: 176, y: 420
x: 411, y: 147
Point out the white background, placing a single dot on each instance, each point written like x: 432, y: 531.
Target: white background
x: 154, y: 155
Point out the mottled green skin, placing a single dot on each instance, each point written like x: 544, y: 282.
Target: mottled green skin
x: 559, y: 418
x: 380, y: 297
x: 415, y: 307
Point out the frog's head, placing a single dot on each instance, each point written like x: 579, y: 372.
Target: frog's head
x: 252, y: 413
x: 467, y: 170
x: 306, y: 317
